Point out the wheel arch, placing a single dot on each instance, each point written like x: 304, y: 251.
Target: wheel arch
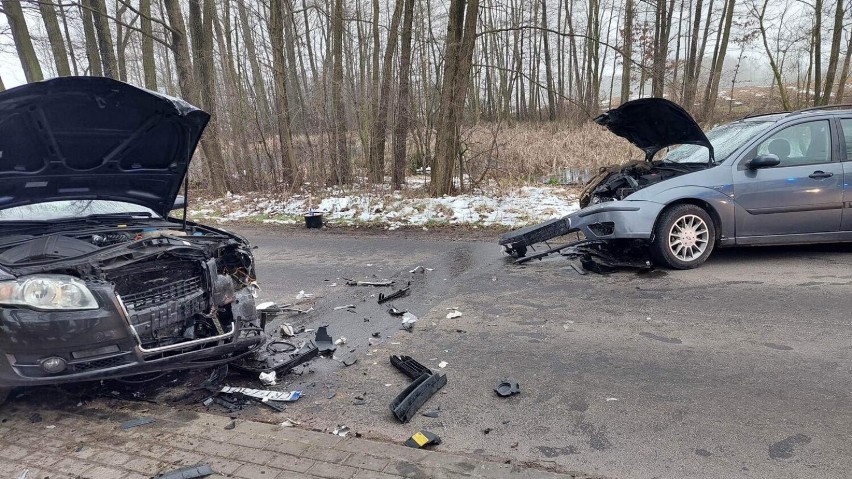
x: 706, y: 206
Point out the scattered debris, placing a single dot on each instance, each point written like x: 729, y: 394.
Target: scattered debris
x: 419, y: 269
x: 323, y: 341
x: 264, y: 394
x: 384, y: 282
x: 507, y: 387
x: 303, y: 295
x: 35, y: 417
x: 422, y: 439
x: 454, y: 314
x: 25, y: 474
x: 289, y: 423
x: 377, y: 334
x: 434, y: 413
x: 331, y: 395
x: 347, y: 306
x: 50, y: 426
x: 359, y: 402
x: 408, y: 321
x: 341, y: 431
x: 611, y: 399
x: 349, y: 361
x: 395, y: 295
x: 231, y: 425
x: 286, y: 330
x: 137, y: 422
x: 340, y: 341
x: 442, y: 364
x: 191, y: 472
x: 424, y: 385
x: 268, y: 379
x: 397, y: 312
x: 208, y: 402
x: 487, y: 430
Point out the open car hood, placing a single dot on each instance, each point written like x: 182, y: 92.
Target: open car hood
x: 78, y: 138
x: 653, y: 124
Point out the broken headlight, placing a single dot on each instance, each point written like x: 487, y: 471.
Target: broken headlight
x: 47, y: 292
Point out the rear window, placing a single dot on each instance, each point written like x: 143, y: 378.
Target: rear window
x: 846, y: 125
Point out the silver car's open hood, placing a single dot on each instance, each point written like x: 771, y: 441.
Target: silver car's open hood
x: 94, y: 138
x: 653, y: 124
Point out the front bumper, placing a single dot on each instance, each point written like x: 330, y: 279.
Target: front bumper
x: 99, y: 344
x: 605, y: 221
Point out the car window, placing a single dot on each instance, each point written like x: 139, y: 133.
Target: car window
x: 846, y: 126
x: 55, y: 210
x: 802, y: 144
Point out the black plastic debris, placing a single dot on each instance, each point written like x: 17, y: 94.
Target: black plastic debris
x: 137, y: 422
x: 323, y: 341
x: 421, y: 439
x: 191, y: 472
x: 396, y: 312
x: 35, y: 417
x: 426, y: 383
x: 231, y: 425
x: 214, y: 382
x: 433, y: 414
x: 395, y: 295
x: 507, y: 387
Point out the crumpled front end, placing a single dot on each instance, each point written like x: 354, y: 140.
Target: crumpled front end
x: 170, y: 308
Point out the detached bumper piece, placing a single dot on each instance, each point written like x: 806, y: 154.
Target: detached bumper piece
x: 604, y: 257
x: 426, y: 383
x: 192, y: 472
x: 516, y: 242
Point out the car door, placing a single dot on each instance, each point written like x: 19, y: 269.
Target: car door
x: 802, y: 195
x: 846, y: 151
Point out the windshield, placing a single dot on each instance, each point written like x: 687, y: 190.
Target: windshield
x: 725, y: 139
x: 56, y: 210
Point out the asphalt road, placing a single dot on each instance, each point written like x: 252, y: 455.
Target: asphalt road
x: 740, y: 368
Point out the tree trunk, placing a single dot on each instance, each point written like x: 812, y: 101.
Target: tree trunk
x: 68, y: 40
x: 341, y: 169
x: 376, y: 164
x: 776, y: 71
x: 716, y: 73
x: 105, y: 44
x: 93, y: 56
x: 289, y: 167
x: 258, y: 86
x: 403, y: 110
x: 844, y: 74
x: 627, y: 50
x: 548, y: 70
x: 54, y: 36
x: 693, y: 62
x: 23, y: 41
x: 149, y: 66
x: 458, y: 54
x: 817, y: 54
x: 834, y: 56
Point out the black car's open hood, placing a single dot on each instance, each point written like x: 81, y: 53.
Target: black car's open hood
x: 653, y: 124
x: 94, y: 138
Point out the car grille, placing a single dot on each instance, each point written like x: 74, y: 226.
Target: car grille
x: 100, y: 363
x: 162, y: 294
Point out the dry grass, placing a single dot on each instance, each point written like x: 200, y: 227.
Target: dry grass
x: 528, y: 152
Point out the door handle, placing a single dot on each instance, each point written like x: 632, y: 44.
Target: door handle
x: 819, y: 175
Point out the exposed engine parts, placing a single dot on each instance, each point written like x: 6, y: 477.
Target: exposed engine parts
x: 617, y: 182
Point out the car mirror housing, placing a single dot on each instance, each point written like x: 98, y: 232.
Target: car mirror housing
x: 764, y: 161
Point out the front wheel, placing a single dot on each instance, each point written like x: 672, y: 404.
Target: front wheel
x: 684, y: 237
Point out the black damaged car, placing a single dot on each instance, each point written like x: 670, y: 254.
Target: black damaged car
x: 96, y: 280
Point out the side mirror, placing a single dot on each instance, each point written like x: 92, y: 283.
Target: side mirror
x: 763, y: 161
x: 180, y: 202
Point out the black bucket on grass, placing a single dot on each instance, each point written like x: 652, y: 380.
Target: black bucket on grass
x: 313, y: 219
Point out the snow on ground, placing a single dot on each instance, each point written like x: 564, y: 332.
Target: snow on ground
x: 522, y: 206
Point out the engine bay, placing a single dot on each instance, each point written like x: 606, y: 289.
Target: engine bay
x: 617, y: 182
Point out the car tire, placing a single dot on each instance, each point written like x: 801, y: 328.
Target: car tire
x: 684, y: 237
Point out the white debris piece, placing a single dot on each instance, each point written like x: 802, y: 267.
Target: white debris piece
x: 611, y: 399
x: 268, y: 379
x: 419, y: 269
x: 341, y: 340
x: 286, y: 330
x: 454, y: 314
x: 303, y: 295
x: 264, y: 394
x: 408, y: 321
x: 442, y: 364
x: 341, y: 431
x: 290, y: 423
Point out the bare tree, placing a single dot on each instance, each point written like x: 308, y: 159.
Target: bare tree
x: 23, y: 42
x: 54, y: 36
x: 376, y: 163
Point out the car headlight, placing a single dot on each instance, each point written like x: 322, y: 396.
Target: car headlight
x: 47, y: 292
